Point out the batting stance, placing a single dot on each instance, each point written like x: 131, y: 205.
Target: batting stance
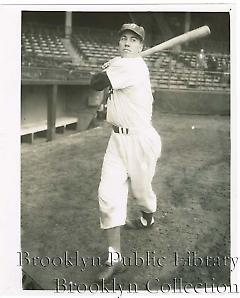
x: 134, y: 146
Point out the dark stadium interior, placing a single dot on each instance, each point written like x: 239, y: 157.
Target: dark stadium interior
x: 218, y: 21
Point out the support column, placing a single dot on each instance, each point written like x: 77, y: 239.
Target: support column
x: 51, y: 113
x: 187, y: 23
x: 68, y: 24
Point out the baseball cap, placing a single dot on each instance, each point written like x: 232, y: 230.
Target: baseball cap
x: 135, y: 28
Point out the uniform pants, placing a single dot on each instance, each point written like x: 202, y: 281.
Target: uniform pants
x: 128, y: 159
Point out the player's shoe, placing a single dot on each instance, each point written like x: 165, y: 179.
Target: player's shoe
x: 137, y: 224
x: 110, y: 270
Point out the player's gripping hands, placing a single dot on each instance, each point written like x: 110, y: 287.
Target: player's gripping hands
x: 108, y: 63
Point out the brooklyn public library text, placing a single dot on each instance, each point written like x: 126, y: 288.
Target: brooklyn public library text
x: 148, y: 258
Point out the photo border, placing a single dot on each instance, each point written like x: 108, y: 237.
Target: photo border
x: 10, y: 16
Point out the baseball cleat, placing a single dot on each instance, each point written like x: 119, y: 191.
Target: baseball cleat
x: 111, y: 270
x: 136, y: 224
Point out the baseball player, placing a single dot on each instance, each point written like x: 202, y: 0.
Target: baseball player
x: 134, y: 146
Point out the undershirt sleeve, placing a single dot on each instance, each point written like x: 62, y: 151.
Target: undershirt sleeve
x: 100, y: 81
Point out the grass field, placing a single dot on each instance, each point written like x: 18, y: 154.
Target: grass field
x: 59, y: 205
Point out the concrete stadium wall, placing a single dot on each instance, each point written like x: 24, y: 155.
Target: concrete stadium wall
x: 34, y: 103
x: 192, y: 102
x: 82, y: 102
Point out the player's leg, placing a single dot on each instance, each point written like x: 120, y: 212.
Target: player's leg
x: 113, y: 189
x: 141, y: 183
x: 142, y: 167
x: 112, y: 193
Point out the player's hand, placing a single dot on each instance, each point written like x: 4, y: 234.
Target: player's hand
x: 108, y: 63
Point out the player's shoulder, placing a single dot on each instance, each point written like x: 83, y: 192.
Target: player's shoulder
x: 137, y: 63
x: 143, y: 64
x: 134, y: 66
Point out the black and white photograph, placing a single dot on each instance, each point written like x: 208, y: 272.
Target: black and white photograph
x: 126, y: 150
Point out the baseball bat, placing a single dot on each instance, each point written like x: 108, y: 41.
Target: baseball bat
x: 185, y: 37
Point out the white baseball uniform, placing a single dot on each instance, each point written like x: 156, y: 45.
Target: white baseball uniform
x: 129, y: 157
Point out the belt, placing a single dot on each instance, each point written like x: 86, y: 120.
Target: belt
x: 120, y: 130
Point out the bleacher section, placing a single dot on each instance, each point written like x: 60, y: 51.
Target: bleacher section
x: 43, y: 46
x: 44, y: 57
x: 190, y: 60
x: 98, y: 45
x: 47, y: 59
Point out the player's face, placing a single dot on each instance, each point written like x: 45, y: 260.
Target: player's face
x: 130, y: 45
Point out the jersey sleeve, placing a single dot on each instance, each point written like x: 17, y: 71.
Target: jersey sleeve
x: 122, y: 74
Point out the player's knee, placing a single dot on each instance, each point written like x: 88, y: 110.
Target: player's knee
x: 145, y: 196
x: 141, y: 191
